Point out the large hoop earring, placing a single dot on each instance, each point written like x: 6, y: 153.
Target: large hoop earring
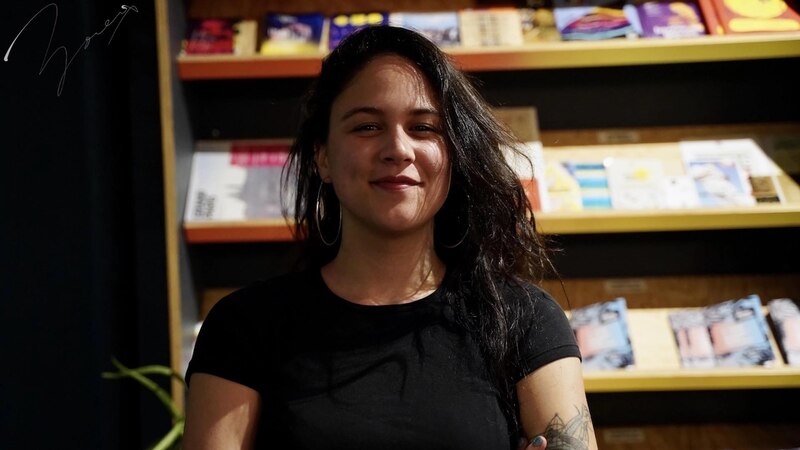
x: 466, y: 231
x: 320, y: 209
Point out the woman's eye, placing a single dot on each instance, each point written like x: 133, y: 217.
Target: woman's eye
x: 365, y: 127
x: 424, y: 127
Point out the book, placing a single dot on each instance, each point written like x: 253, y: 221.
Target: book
x: 231, y: 36
x: 726, y: 169
x: 528, y: 163
x: 753, y: 16
x: 785, y: 316
x: 710, y: 17
x: 592, y: 180
x: 738, y: 331
x: 440, y: 27
x: 344, y: 24
x: 636, y: 183
x: 601, y: 330
x: 293, y: 34
x: 496, y: 26
x: 670, y: 19
x: 538, y: 25
x: 595, y: 19
x: 238, y: 180
x: 563, y: 190
x: 692, y: 338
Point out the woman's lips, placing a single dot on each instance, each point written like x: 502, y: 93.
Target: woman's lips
x: 395, y: 183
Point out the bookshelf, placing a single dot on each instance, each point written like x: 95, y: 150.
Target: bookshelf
x: 201, y: 94
x: 545, y: 55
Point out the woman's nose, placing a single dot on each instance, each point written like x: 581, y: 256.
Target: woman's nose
x: 399, y: 146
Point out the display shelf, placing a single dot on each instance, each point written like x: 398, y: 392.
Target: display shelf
x: 658, y: 365
x: 545, y: 55
x: 579, y: 222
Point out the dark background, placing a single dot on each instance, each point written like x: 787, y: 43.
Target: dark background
x: 82, y: 265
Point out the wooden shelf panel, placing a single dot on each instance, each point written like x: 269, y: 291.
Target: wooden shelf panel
x: 581, y: 222
x: 658, y: 365
x: 588, y: 222
x: 545, y: 55
x: 272, y: 230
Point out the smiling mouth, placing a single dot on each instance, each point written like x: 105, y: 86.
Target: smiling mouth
x: 395, y: 183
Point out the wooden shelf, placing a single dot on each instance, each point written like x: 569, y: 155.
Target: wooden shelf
x: 581, y: 222
x: 271, y: 230
x: 545, y: 55
x: 658, y: 364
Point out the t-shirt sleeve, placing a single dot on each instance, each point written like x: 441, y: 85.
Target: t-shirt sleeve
x: 226, y: 345
x: 547, y: 335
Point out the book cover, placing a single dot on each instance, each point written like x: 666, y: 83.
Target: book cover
x: 595, y: 19
x: 484, y: 27
x: 231, y: 36
x: 692, y: 338
x: 739, y: 333
x: 670, y: 19
x: 293, y: 34
x: 785, y: 316
x: 601, y: 330
x: 636, y: 183
x: 592, y: 179
x: 563, y: 190
x: 720, y: 183
x: 440, y: 27
x: 680, y: 192
x: 756, y: 173
x: 749, y: 16
x: 342, y: 25
x: 238, y: 180
x: 538, y: 25
x: 710, y: 17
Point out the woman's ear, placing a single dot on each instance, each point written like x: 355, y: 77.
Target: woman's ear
x: 321, y: 159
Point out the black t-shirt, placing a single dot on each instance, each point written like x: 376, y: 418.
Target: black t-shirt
x: 333, y: 374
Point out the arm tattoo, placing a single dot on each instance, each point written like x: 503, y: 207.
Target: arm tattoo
x: 571, y: 435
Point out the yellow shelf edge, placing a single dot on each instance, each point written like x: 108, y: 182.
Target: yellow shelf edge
x: 544, y: 55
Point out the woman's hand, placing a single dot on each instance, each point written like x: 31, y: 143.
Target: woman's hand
x: 538, y: 443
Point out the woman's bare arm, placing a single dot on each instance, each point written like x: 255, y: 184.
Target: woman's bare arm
x: 220, y: 414
x: 552, y: 403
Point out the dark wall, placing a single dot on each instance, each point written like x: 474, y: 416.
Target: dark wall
x: 82, y: 265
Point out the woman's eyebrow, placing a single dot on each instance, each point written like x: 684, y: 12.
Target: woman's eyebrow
x: 377, y: 111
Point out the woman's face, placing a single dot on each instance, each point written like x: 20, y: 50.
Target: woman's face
x: 386, y: 153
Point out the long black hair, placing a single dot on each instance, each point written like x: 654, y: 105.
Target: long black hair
x: 486, y: 203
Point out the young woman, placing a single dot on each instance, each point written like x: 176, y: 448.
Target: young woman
x: 415, y: 322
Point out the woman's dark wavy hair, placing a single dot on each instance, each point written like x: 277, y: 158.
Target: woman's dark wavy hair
x: 486, y: 203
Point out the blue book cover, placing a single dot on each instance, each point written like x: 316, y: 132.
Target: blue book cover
x: 440, y: 27
x: 292, y: 33
x: 601, y: 330
x: 342, y: 25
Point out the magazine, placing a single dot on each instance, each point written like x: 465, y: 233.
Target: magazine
x: 738, y: 332
x: 293, y: 34
x: 440, y: 27
x: 692, y: 338
x: 342, y: 25
x: 601, y: 330
x: 220, y: 36
x: 636, y: 183
x: 785, y: 316
x: 238, y: 180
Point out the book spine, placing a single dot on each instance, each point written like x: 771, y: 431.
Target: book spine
x: 713, y: 25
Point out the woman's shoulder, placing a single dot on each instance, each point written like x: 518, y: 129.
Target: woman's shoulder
x: 271, y: 293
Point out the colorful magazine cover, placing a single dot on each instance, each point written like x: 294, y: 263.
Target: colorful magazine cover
x: 692, y: 338
x: 739, y: 333
x: 238, y: 180
x: 720, y: 183
x: 440, y: 27
x: 785, y: 316
x: 592, y: 179
x: 595, y: 20
x: 293, y: 34
x: 670, y: 19
x: 601, y: 330
x: 220, y: 36
x: 342, y: 25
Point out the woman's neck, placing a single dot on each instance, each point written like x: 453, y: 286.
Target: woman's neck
x: 381, y: 270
